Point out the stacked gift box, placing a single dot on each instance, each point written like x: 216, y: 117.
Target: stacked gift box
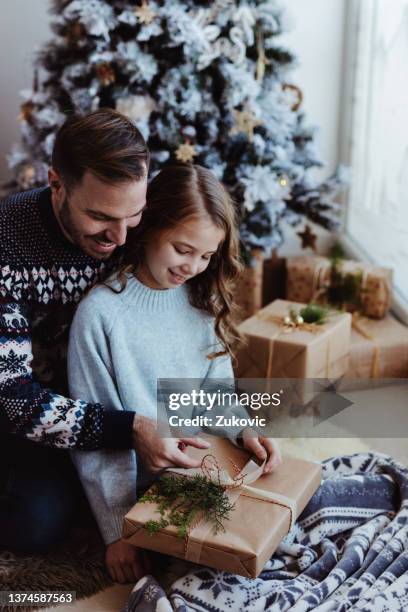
x: 374, y: 346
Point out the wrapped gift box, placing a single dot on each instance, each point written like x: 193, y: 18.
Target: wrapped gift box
x: 274, y: 279
x: 378, y: 349
x: 313, y: 278
x: 255, y: 527
x: 269, y: 352
x: 248, y: 292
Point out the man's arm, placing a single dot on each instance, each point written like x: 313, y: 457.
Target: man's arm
x: 29, y: 410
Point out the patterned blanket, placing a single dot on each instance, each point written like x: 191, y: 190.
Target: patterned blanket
x: 347, y: 551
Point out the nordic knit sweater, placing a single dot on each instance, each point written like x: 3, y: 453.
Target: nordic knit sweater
x: 42, y: 278
x: 120, y: 344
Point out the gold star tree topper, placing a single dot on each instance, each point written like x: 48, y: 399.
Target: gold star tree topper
x: 186, y: 152
x: 245, y: 122
x: 144, y: 13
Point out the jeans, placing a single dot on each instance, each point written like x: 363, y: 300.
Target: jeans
x: 40, y: 496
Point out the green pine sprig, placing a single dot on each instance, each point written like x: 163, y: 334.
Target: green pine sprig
x: 181, y: 500
x: 314, y: 313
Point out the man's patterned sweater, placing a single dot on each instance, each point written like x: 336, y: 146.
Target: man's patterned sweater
x: 42, y: 278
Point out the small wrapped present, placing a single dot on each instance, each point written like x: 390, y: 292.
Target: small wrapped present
x: 378, y: 349
x: 274, y: 349
x: 347, y: 284
x: 248, y: 292
x: 264, y: 509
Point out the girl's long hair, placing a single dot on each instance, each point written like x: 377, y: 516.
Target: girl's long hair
x: 178, y: 193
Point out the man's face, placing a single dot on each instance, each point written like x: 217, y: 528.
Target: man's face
x: 96, y: 216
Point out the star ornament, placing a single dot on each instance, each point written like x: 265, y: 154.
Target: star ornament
x: 144, y: 13
x: 105, y: 74
x: 308, y: 238
x: 186, y: 152
x: 26, y: 111
x: 245, y: 123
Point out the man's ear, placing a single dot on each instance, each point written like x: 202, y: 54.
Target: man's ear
x: 54, y: 181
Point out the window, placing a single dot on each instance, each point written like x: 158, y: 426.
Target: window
x: 377, y: 135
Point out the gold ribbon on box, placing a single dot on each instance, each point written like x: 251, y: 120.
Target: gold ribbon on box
x: 357, y: 323
x: 234, y: 486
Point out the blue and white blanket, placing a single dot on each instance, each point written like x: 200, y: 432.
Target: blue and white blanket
x: 347, y: 551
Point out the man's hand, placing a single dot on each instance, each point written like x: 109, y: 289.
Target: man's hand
x: 262, y: 448
x: 159, y: 453
x: 126, y: 563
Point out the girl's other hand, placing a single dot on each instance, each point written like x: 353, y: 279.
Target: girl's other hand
x: 126, y: 563
x: 263, y: 448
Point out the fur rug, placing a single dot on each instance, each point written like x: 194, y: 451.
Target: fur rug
x: 77, y: 565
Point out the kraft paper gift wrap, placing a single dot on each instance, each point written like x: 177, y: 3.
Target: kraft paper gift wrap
x: 378, y: 349
x: 272, y: 353
x: 256, y: 525
x: 308, y: 278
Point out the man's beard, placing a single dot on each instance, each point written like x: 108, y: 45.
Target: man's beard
x: 67, y: 222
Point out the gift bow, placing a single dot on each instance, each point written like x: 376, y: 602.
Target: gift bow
x: 234, y: 486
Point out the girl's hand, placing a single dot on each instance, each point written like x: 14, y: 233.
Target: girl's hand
x: 126, y: 563
x: 262, y: 448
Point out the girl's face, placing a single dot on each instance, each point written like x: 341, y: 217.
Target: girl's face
x: 174, y: 257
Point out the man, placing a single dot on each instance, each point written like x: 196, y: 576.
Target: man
x: 55, y: 243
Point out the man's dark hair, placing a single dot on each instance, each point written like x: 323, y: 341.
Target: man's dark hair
x: 104, y: 142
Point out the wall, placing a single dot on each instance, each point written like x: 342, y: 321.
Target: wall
x: 23, y: 28
x: 317, y: 41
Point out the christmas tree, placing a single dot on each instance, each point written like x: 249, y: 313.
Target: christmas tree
x: 205, y: 81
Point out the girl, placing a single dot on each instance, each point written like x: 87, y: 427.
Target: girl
x: 168, y: 313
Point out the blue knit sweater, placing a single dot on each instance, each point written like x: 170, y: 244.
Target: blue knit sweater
x: 120, y: 344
